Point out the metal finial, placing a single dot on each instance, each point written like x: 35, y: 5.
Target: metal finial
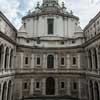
x: 63, y: 5
x: 71, y: 12
x: 38, y: 4
x: 29, y: 11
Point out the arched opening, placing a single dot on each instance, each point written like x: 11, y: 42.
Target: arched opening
x: 1, y: 55
x: 11, y: 59
x: 96, y: 90
x: 9, y: 91
x: 4, y: 91
x: 50, y: 86
x: 50, y: 61
x: 91, y: 91
x: 6, y: 57
x: 90, y: 59
x: 95, y: 58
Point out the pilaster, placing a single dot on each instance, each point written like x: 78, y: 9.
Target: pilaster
x: 44, y: 86
x: 56, y: 86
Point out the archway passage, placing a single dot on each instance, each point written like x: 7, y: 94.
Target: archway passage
x: 50, y: 86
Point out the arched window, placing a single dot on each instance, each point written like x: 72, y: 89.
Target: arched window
x: 90, y: 59
x: 50, y: 61
x: 1, y: 54
x: 9, y: 91
x: 11, y: 59
x: 95, y: 58
x: 4, y: 91
x: 91, y: 90
x: 96, y: 90
x: 6, y: 57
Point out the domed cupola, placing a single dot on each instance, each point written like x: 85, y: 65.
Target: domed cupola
x: 49, y: 1
x: 50, y: 6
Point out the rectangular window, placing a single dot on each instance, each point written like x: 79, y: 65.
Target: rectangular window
x: 74, y: 60
x: 50, y: 26
x: 25, y: 85
x: 62, y: 85
x: 26, y: 60
x: 37, y: 85
x: 38, y: 61
x: 74, y: 85
x: 62, y: 61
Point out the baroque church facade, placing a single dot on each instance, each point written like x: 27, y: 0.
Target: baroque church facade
x: 50, y: 56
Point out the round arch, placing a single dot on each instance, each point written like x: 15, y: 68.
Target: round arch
x: 4, y: 91
x: 50, y: 86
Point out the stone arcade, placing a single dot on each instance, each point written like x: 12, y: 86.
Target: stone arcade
x: 50, y: 57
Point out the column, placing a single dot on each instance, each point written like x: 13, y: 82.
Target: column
x: 32, y: 61
x: 78, y: 61
x: 56, y: 86
x: 7, y: 91
x: 68, y: 62
x: 94, y: 91
x: 32, y: 87
x: 80, y: 88
x: 44, y: 86
x: 56, y: 61
x: 89, y: 90
x: 12, y: 86
x: 44, y: 61
x: 22, y: 60
x: 68, y: 87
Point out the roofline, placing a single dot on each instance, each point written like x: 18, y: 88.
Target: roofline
x: 92, y: 20
x: 53, y: 13
x: 8, y: 22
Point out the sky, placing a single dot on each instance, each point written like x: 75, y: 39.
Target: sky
x: 14, y: 10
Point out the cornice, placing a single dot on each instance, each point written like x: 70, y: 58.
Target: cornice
x: 50, y: 13
x: 92, y: 40
x: 7, y: 21
x: 51, y: 48
x: 92, y: 21
x: 7, y: 38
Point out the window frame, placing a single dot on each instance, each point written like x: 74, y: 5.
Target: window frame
x: 50, y: 26
x: 26, y: 60
x: 39, y: 84
x: 74, y: 59
x: 62, y: 64
x: 62, y: 86
x: 74, y: 86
